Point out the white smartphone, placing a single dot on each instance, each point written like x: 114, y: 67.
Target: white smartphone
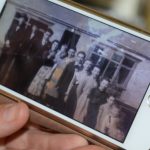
x: 84, y: 69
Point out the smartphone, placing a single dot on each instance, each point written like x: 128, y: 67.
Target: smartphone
x: 80, y: 68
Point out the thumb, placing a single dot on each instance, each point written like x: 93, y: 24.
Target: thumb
x: 12, y: 118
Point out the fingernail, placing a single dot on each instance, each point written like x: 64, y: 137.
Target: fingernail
x: 10, y: 112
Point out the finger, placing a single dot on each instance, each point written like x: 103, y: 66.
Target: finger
x: 41, y: 140
x: 12, y: 118
x: 90, y: 147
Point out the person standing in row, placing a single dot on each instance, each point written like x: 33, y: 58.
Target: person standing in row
x: 62, y: 84
x: 49, y: 56
x: 112, y: 124
x: 56, y: 72
x: 36, y: 52
x: 97, y: 97
x: 51, y: 89
x: 61, y: 55
x: 19, y: 69
x: 55, y: 80
x: 104, y: 110
x: 13, y: 43
x: 68, y: 72
x: 43, y: 74
x: 82, y: 102
x: 77, y: 84
x: 65, y: 80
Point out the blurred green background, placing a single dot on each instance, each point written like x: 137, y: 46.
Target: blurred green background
x: 135, y: 12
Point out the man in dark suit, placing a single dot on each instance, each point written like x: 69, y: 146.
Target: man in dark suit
x: 33, y: 59
x: 22, y: 57
x: 68, y: 73
x: 66, y: 78
x: 13, y: 42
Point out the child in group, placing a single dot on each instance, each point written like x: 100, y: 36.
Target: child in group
x: 112, y: 124
x: 104, y: 110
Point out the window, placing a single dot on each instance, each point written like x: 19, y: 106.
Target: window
x: 110, y: 71
x: 118, y: 68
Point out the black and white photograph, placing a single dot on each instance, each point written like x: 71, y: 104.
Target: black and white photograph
x: 80, y: 67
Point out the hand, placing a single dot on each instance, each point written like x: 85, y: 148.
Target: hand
x: 14, y: 137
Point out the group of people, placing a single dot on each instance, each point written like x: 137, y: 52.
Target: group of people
x: 73, y: 87
x: 45, y: 80
x: 88, y: 102
x: 59, y: 77
x: 23, y: 53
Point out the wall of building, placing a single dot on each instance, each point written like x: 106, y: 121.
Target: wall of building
x: 84, y: 42
x: 137, y: 85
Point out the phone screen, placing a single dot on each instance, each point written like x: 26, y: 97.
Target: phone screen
x: 83, y: 68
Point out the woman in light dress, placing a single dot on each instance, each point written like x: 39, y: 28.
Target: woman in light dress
x: 83, y: 101
x: 44, y: 73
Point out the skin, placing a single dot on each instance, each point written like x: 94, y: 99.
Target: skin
x: 71, y: 53
x: 103, y: 85
x: 110, y: 100
x: 95, y: 72
x: 80, y: 58
x: 14, y: 135
x: 53, y: 50
x: 87, y: 65
x: 63, y: 51
x: 46, y: 36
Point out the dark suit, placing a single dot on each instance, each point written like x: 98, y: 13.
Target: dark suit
x: 15, y: 36
x: 63, y: 85
x: 65, y: 79
x: 25, y: 53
